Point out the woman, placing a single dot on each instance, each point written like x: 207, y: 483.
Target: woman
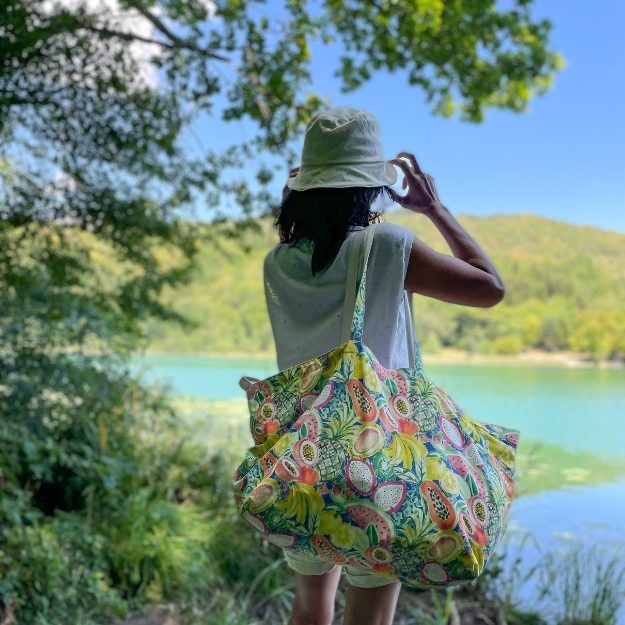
x: 326, y: 204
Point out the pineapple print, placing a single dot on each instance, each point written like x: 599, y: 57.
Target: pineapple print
x: 342, y: 428
x: 332, y: 458
x: 404, y: 561
x: 287, y: 381
x: 423, y: 404
x: 424, y: 411
x: 409, y: 552
x: 286, y: 406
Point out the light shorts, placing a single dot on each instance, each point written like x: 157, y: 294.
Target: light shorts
x: 309, y: 565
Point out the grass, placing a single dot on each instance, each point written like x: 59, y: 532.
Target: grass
x: 583, y: 586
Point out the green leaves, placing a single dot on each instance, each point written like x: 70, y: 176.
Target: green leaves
x: 467, y: 56
x: 372, y: 534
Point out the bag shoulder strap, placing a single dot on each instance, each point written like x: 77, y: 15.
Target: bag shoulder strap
x: 354, y: 307
x: 414, y: 350
x: 354, y: 303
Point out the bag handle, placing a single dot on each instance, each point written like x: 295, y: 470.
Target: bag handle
x: 357, y: 316
x: 350, y: 312
x: 350, y: 288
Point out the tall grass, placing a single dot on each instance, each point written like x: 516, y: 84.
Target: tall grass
x: 583, y: 586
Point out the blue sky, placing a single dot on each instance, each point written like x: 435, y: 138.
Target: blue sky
x: 563, y: 159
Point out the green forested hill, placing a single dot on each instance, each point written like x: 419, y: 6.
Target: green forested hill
x: 565, y: 291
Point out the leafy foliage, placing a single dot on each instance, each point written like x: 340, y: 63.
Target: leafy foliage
x: 97, y: 100
x: 104, y: 492
x: 478, y: 66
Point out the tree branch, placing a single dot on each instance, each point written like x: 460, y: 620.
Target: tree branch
x: 127, y: 36
x: 262, y: 106
x: 177, y: 42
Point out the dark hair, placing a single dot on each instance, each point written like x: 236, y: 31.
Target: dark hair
x: 325, y: 215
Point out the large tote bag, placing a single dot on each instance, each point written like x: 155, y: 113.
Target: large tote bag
x: 373, y: 467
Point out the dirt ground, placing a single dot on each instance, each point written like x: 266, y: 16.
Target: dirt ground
x: 465, y: 611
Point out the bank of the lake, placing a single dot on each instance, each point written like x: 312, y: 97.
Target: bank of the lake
x: 531, y: 357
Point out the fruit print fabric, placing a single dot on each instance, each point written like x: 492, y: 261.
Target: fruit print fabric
x: 377, y: 468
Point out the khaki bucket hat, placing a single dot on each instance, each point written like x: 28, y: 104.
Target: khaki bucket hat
x: 342, y: 148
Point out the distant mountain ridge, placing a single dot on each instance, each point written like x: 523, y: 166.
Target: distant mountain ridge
x: 565, y: 290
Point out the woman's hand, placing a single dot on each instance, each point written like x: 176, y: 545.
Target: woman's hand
x: 422, y: 196
x: 286, y: 190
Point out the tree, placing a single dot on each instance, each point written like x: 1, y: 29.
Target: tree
x: 77, y: 69
x: 599, y: 333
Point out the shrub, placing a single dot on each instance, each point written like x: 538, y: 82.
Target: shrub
x: 507, y: 345
x: 105, y: 501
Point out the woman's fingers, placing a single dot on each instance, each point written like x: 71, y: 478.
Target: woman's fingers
x: 415, y: 177
x: 402, y: 165
x: 413, y: 160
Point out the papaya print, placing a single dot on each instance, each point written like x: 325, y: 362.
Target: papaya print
x: 363, y: 402
x: 441, y: 510
x: 379, y: 468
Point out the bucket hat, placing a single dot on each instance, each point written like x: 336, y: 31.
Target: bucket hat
x: 342, y: 148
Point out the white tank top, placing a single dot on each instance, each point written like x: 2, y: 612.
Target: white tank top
x: 306, y: 311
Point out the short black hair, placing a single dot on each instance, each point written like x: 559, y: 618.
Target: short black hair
x: 325, y: 215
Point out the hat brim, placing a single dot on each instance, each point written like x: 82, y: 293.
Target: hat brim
x: 341, y: 176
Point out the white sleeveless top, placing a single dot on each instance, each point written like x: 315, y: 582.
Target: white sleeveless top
x: 306, y: 311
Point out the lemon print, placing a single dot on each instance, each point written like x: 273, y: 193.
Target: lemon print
x: 435, y: 468
x: 449, y: 482
x: 328, y: 522
x: 350, y: 349
x: 371, y: 380
x: 361, y: 366
x: 474, y: 561
x: 333, y: 362
x: 344, y: 536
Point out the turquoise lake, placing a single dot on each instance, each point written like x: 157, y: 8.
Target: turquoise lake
x: 578, y: 410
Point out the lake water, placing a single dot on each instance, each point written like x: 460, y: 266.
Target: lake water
x: 578, y: 414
